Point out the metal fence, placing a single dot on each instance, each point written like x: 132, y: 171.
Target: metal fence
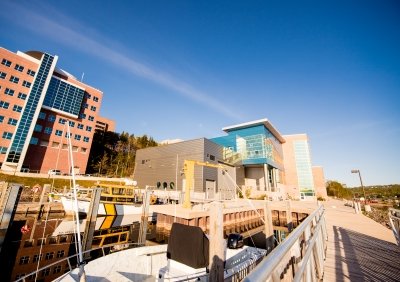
x: 394, y: 218
x: 300, y: 257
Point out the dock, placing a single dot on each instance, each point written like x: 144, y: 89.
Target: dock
x: 359, y: 249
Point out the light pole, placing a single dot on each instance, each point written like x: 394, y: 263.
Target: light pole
x: 362, y: 186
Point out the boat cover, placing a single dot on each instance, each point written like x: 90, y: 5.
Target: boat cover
x: 188, y: 245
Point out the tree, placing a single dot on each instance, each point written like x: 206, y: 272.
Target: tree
x: 336, y: 189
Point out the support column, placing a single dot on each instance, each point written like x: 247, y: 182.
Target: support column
x: 217, y: 242
x: 266, y: 178
x: 269, y: 228
x: 289, y: 219
x: 91, y: 221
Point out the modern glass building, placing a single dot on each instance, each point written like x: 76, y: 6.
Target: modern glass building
x: 258, y: 146
x: 37, y: 102
x: 298, y: 167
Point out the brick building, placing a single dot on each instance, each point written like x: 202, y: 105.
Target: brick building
x: 37, y: 100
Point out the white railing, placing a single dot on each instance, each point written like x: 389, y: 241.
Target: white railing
x: 301, y: 255
x: 394, y: 218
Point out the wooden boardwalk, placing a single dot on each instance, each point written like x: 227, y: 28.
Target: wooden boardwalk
x: 359, y: 249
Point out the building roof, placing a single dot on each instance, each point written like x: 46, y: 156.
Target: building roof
x: 263, y: 121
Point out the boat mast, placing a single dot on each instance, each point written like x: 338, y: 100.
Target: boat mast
x: 78, y: 231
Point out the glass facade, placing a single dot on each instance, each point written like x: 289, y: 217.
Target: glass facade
x: 256, y: 145
x: 32, y: 103
x: 304, y: 167
x: 64, y: 97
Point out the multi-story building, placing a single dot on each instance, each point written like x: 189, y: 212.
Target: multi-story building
x: 298, y: 167
x: 257, y: 147
x: 42, y: 108
x: 261, y: 161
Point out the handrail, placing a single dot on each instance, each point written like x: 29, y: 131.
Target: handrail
x: 313, y: 230
x: 394, y: 218
x: 24, y: 278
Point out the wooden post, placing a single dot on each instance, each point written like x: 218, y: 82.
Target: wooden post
x: 289, y: 219
x: 144, y: 219
x: 269, y: 228
x: 91, y: 221
x: 217, y: 242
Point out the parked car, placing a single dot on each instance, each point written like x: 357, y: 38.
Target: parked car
x: 54, y: 172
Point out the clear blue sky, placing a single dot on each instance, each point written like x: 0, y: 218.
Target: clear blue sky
x: 185, y: 69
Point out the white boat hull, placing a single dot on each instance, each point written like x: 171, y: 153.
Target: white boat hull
x: 104, y: 207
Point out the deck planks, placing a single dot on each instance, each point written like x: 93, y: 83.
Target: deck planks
x: 359, y: 249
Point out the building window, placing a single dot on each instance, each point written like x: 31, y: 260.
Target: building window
x: 4, y: 104
x: 5, y: 62
x: 7, y: 135
x: 60, y: 254
x: 42, y: 115
x: 58, y: 132
x: 26, y: 84
x: 88, y: 96
x: 86, y: 106
x: 83, y: 150
x: 83, y: 116
x: 85, y: 139
x: 31, y: 72
x: 1, y: 119
x: 48, y: 130
x: 57, y: 269
x: 9, y: 92
x: 77, y: 137
x: 3, y: 75
x: 96, y: 99
x: 88, y: 128
x: 14, y: 79
x: 49, y: 256
x: 93, y: 108
x: 91, y: 118
x: 22, y: 96
x: 17, y: 108
x: 67, y: 134
x: 80, y: 126
x: 45, y: 272
x: 62, y: 120
x: 37, y: 257
x: 19, y: 68
x: 3, y: 150
x: 24, y: 260
x: 51, y: 118
x: 72, y: 123
x: 38, y: 128
x: 43, y: 143
x: 34, y: 141
x: 12, y: 121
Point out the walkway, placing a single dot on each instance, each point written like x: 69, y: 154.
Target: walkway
x: 359, y: 249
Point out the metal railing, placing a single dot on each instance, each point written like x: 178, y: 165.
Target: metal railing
x: 72, y: 260
x: 300, y: 255
x: 394, y: 218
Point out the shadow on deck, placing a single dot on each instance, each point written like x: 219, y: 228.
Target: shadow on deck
x: 359, y: 257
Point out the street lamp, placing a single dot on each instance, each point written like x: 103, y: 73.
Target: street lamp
x: 362, y: 186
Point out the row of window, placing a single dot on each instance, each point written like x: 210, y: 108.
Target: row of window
x: 10, y: 92
x: 45, y: 272
x: 52, y: 118
x: 6, y: 105
x: 11, y: 121
x: 38, y: 257
x: 92, y: 108
x: 95, y: 98
x: 48, y: 130
x: 17, y: 67
x: 56, y: 145
x: 15, y: 79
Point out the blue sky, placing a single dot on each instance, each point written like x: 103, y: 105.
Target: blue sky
x: 185, y: 69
